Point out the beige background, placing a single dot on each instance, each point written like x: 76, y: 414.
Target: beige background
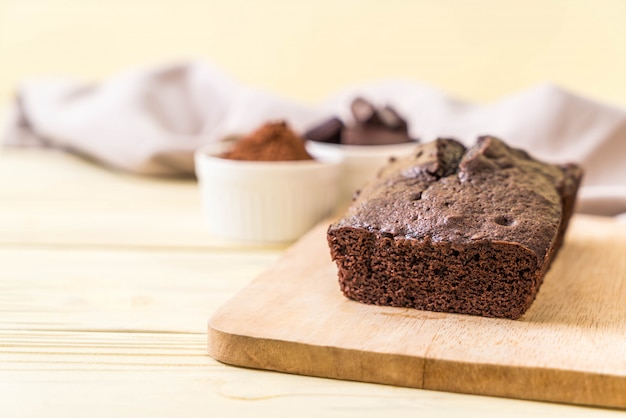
x: 477, y: 50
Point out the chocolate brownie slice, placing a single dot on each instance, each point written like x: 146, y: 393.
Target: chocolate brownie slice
x: 452, y: 229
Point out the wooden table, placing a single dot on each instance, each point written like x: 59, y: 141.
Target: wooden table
x: 106, y: 284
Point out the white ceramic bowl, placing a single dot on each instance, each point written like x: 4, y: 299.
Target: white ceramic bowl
x: 266, y: 202
x: 362, y: 162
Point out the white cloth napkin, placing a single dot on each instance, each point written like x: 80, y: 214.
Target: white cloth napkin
x: 151, y: 121
x: 144, y: 121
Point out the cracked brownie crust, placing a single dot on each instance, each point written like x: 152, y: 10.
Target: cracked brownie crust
x: 452, y: 229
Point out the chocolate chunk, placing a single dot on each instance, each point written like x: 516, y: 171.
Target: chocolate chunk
x: 489, y: 154
x: 392, y: 119
x: 372, y: 126
x: 328, y: 131
x: 372, y: 135
x: 434, y: 160
x: 365, y: 113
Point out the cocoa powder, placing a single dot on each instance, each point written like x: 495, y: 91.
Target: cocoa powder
x: 274, y: 141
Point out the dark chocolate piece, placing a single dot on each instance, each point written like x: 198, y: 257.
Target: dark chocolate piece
x: 328, y: 131
x: 372, y: 126
x: 365, y: 113
x: 457, y: 230
x: 372, y: 135
x: 392, y: 119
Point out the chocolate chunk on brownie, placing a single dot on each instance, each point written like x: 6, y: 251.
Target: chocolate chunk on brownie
x: 459, y: 230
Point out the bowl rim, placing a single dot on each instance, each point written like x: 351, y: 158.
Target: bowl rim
x: 366, y: 149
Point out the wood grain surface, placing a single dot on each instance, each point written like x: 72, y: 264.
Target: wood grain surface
x: 106, y: 284
x: 569, y: 347
x: 52, y: 198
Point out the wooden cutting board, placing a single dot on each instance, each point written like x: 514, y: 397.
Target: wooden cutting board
x: 569, y: 347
